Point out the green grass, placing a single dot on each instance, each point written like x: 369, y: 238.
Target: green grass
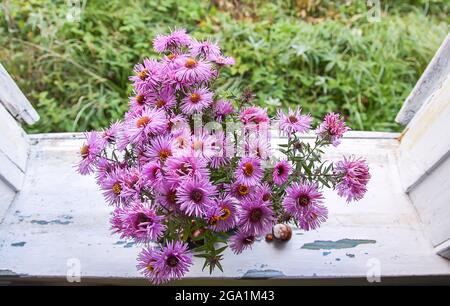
x: 325, y: 57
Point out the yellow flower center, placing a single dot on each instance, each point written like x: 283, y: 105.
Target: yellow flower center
x: 163, y: 154
x: 195, y: 98
x: 140, y: 99
x: 242, y: 190
x: 142, y: 121
x: 226, y: 213
x: 116, y: 188
x: 190, y: 63
x: 160, y: 103
x: 143, y: 74
x: 84, y: 151
x: 248, y: 168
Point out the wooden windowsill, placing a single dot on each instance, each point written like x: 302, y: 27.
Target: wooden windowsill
x: 59, y: 215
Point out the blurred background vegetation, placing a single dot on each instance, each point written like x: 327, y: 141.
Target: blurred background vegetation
x: 323, y: 55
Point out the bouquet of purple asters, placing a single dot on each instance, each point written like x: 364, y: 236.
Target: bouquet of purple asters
x: 189, y: 173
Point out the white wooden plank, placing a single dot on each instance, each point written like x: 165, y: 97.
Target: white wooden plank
x: 13, y: 151
x: 6, y: 197
x: 10, y: 174
x: 14, y: 100
x: 60, y: 215
x: 426, y: 143
x: 432, y: 78
x: 432, y: 199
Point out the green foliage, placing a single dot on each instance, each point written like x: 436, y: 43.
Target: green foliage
x: 322, y: 55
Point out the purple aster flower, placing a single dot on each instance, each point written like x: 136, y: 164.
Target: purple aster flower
x: 221, y: 60
x: 254, y: 114
x: 172, y: 42
x: 208, y: 49
x: 303, y: 201
x: 152, y: 174
x: 355, y: 176
x: 332, y: 129
x: 191, y: 71
x: 146, y: 75
x: 160, y: 148
x: 197, y: 101
x: 146, y: 264
x: 167, y: 195
x: 132, y: 184
x: 281, y: 172
x: 249, y: 171
x: 150, y: 122
x: 109, y: 135
x: 255, y: 216
x: 195, y: 195
x: 139, y: 100
x: 240, y: 191
x: 264, y: 192
x: 223, y: 108
x: 186, y: 167
x: 139, y: 222
x: 258, y: 147
x: 89, y: 153
x: 112, y: 186
x: 164, y: 99
x: 293, y: 122
x: 241, y: 241
x: 174, y: 261
x: 222, y: 153
x: 222, y: 215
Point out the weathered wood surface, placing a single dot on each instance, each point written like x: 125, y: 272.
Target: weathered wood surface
x: 14, y: 100
x: 60, y: 216
x: 431, y: 79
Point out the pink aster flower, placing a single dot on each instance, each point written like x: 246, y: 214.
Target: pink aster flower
x: 255, y: 216
x: 249, y: 171
x: 150, y: 122
x: 254, y: 114
x: 196, y: 101
x: 281, y: 172
x: 109, y: 135
x: 195, y: 195
x: 89, y: 153
x: 221, y: 155
x: 303, y: 201
x: 146, y: 75
x: 355, y: 176
x: 139, y: 222
x: 139, y: 100
x: 258, y: 147
x: 264, y: 193
x: 184, y: 167
x: 222, y: 215
x: 174, y: 261
x: 146, y: 265
x: 172, y: 42
x: 160, y: 148
x: 223, y: 108
x: 241, y: 241
x: 164, y: 99
x: 293, y: 122
x: 112, y: 186
x: 167, y: 195
x: 152, y: 173
x: 207, y: 49
x: 191, y: 71
x: 332, y: 129
x: 240, y: 190
x: 221, y: 60
x: 132, y: 184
